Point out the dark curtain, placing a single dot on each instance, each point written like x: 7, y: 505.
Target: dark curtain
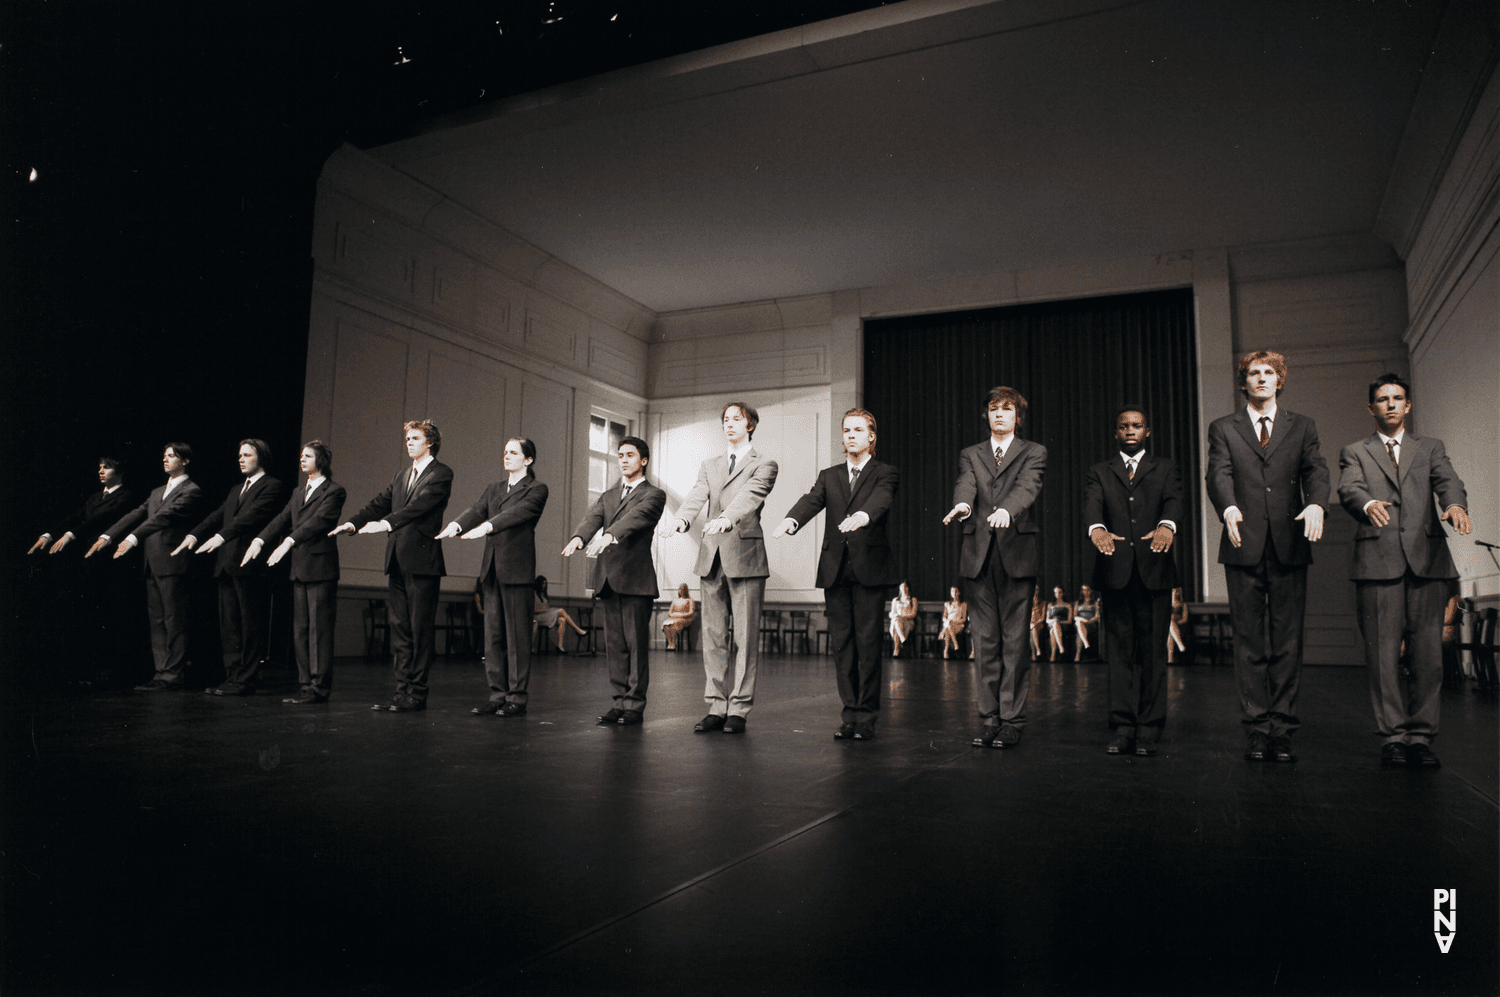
x: 1076, y: 363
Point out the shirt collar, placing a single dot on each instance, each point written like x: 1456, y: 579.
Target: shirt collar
x: 421, y: 463
x: 857, y: 467
x: 739, y: 452
x: 313, y: 483
x: 1129, y: 457
x: 1255, y: 417
x: 255, y: 477
x: 111, y: 489
x: 173, y: 482
x: 1004, y: 448
x: 1384, y: 439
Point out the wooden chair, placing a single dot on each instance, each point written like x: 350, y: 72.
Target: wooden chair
x: 801, y: 619
x: 1483, y: 647
x: 377, y: 629
x: 929, y: 627
x: 584, y: 617
x: 770, y: 626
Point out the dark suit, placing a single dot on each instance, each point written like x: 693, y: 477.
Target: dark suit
x: 623, y: 576
x: 98, y: 587
x: 244, y: 591
x: 314, y: 560
x: 507, y: 575
x: 854, y: 572
x: 1267, y: 573
x: 97, y: 513
x: 1137, y: 585
x: 159, y: 525
x: 1401, y: 574
x: 413, y: 567
x: 999, y: 568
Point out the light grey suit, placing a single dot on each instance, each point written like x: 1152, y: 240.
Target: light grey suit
x: 1401, y: 575
x: 733, y: 569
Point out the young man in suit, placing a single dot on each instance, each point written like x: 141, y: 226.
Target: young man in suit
x: 1402, y: 569
x: 506, y: 516
x: 732, y: 565
x: 98, y: 510
x: 244, y: 587
x: 1125, y: 495
x: 1000, y: 480
x: 410, y: 512
x: 623, y: 576
x: 1268, y: 482
x: 303, y: 529
x: 855, y: 568
x: 159, y: 524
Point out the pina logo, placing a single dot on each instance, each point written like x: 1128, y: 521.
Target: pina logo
x: 1445, y: 921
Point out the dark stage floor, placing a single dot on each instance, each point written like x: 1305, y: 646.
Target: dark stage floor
x: 173, y: 843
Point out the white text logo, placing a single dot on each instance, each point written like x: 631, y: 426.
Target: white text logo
x: 1445, y: 921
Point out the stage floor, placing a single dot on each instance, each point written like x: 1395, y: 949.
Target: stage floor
x: 173, y: 843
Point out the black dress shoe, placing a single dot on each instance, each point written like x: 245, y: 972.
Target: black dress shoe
x: 986, y: 736
x: 488, y: 707
x: 734, y: 725
x: 1009, y: 737
x: 1145, y: 749
x: 1281, y: 749
x: 864, y: 732
x: 708, y: 724
x: 511, y: 710
x: 1121, y: 744
x: 408, y: 704
x: 613, y: 716
x: 155, y: 685
x: 1392, y: 755
x: 1260, y: 746
x: 630, y: 717
x: 845, y: 732
x: 1421, y: 754
x: 308, y: 697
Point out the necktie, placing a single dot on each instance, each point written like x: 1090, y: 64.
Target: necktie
x: 853, y: 477
x: 1390, y: 448
x: 1265, y: 430
x: 731, y: 465
x: 307, y: 494
x: 1130, y: 467
x: 412, y: 480
x: 244, y: 488
x: 999, y: 456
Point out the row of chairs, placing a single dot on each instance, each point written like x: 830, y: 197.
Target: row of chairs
x: 461, y: 630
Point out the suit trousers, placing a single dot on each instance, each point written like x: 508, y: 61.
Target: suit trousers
x: 507, y: 640
x: 167, y: 609
x: 1406, y: 706
x: 999, y: 619
x: 627, y: 646
x: 1266, y: 604
x: 730, y: 686
x: 854, y: 624
x: 1136, y: 623
x: 244, y: 624
x: 314, y: 614
x: 413, y: 603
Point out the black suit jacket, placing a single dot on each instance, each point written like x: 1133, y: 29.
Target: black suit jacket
x: 1269, y: 486
x: 159, y: 524
x: 416, y: 518
x: 1014, y: 489
x: 1131, y: 509
x: 510, y: 551
x: 869, y: 550
x: 96, y: 514
x: 315, y: 555
x: 625, y: 564
x: 238, y: 521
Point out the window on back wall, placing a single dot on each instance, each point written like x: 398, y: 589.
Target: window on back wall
x: 606, y: 430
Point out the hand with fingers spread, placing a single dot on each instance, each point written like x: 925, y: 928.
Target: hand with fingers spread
x: 1104, y: 541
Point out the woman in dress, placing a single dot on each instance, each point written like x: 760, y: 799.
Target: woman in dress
x: 1179, y: 618
x: 903, y: 618
x: 1086, y: 620
x: 1038, y: 622
x: 680, y: 616
x: 547, y: 617
x: 1059, y: 615
x: 955, y: 618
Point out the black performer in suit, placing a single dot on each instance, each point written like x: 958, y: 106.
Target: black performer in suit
x: 98, y: 511
x: 159, y: 524
x: 855, y: 568
x: 1402, y: 569
x: 303, y: 530
x: 411, y: 511
x: 1000, y: 479
x: 1265, y: 475
x: 1137, y: 572
x: 620, y: 524
x: 244, y: 587
x: 506, y: 516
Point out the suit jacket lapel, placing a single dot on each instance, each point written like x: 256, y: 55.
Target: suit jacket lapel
x: 1382, y: 458
x: 1118, y: 466
x: 621, y: 504
x: 867, y: 472
x: 739, y: 466
x: 1411, y: 449
x: 1280, y: 427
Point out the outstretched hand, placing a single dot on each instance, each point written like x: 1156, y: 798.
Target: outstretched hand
x: 1459, y: 517
x: 572, y: 547
x: 1377, y: 513
x: 99, y: 545
x: 252, y: 551
x: 1161, y: 539
x: 955, y: 513
x: 1312, y: 522
x: 1104, y: 541
x: 787, y: 528
x: 1232, y: 517
x: 999, y: 519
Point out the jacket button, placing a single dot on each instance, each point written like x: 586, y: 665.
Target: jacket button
x: 1268, y: 488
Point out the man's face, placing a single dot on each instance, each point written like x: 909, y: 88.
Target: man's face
x: 1131, y: 431
x: 108, y: 476
x: 249, y: 461
x: 1260, y: 382
x: 1002, y: 418
x: 171, y: 463
x: 515, y: 459
x: 308, y: 461
x: 632, y: 464
x: 417, y: 446
x: 1390, y: 408
x: 858, y: 437
x: 736, y: 426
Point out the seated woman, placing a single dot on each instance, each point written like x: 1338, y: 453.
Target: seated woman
x: 1179, y: 618
x: 955, y: 619
x: 903, y: 618
x: 1038, y: 623
x: 548, y: 617
x: 1086, y: 620
x: 1059, y: 615
x: 680, y: 616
